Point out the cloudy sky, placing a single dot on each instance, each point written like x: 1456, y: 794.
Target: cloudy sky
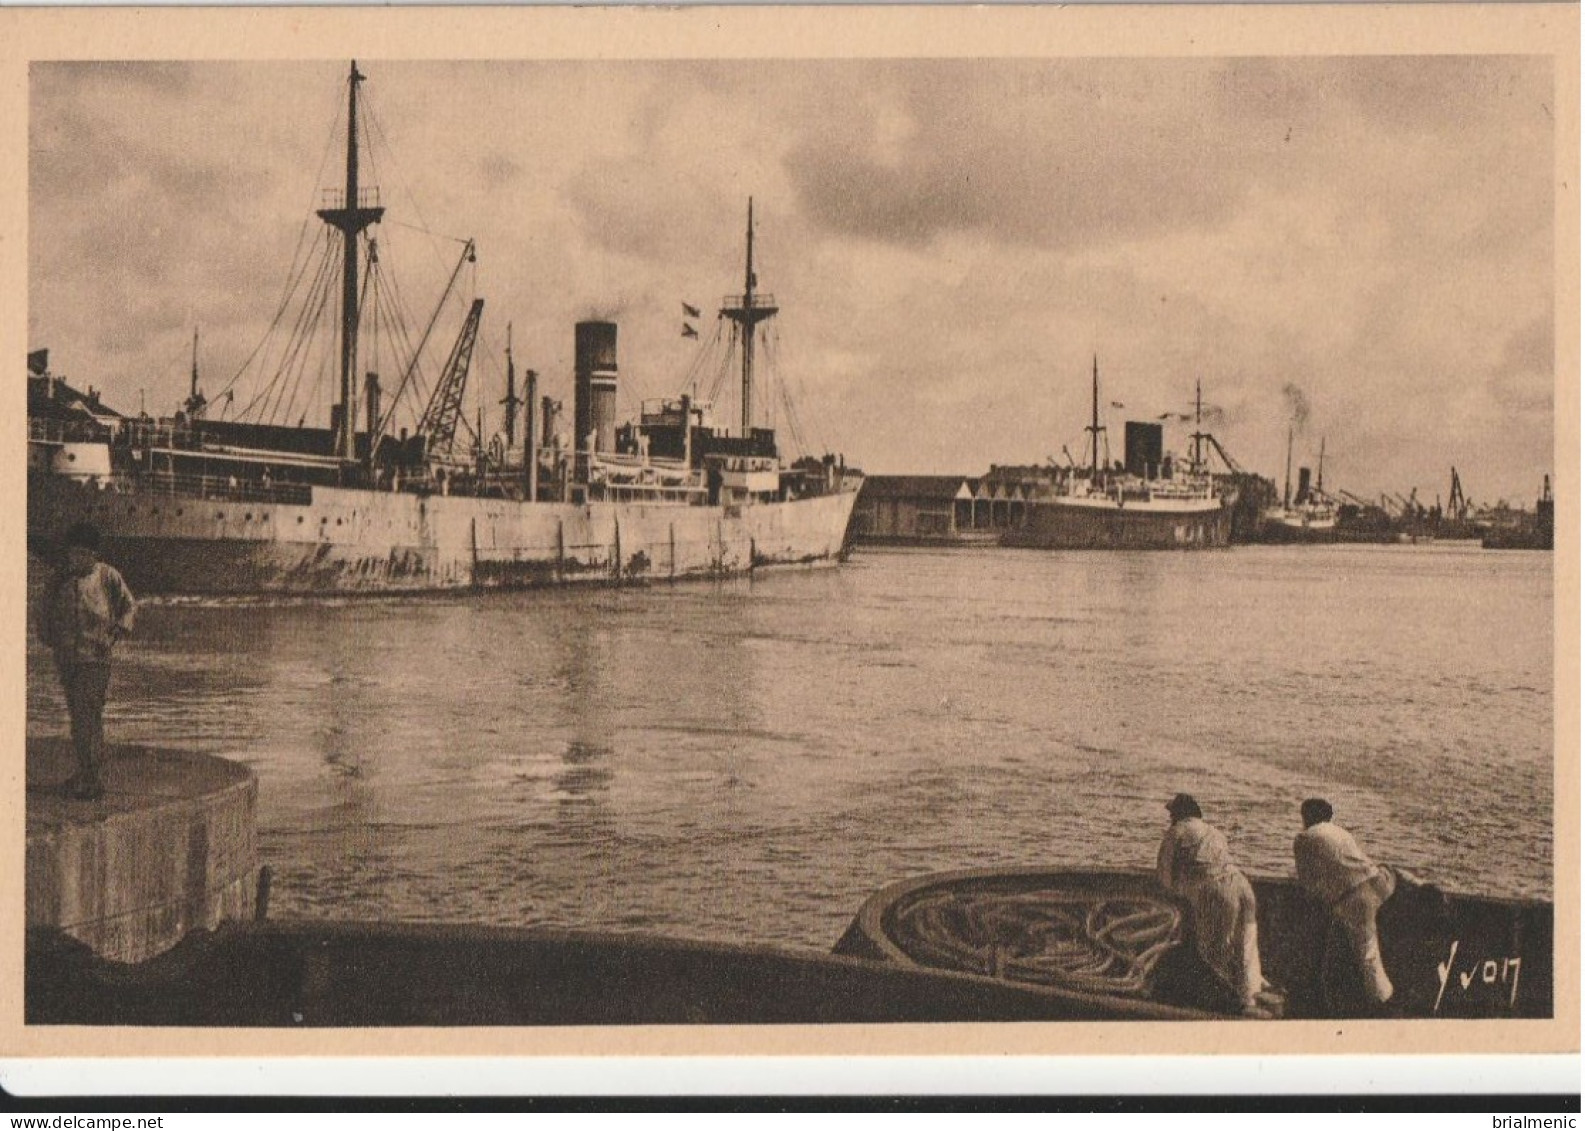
x: 1359, y: 246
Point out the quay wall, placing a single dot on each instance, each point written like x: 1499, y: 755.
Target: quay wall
x: 169, y: 849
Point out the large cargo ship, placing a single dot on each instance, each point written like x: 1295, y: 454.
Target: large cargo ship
x: 1151, y: 502
x: 195, y: 504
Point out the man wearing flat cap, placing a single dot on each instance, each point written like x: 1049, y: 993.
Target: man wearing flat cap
x: 87, y: 610
x: 1194, y: 864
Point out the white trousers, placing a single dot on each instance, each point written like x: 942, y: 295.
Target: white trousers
x: 1356, y: 911
x: 1225, y: 935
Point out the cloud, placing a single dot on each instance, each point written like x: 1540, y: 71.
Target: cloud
x: 1067, y: 155
x: 498, y: 170
x: 1437, y: 96
x: 950, y: 240
x: 1523, y: 380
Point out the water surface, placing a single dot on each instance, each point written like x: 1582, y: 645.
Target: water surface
x: 746, y: 761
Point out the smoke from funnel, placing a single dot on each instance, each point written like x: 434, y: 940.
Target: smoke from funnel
x: 1298, y: 406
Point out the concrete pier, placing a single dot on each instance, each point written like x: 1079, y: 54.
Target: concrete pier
x: 168, y: 849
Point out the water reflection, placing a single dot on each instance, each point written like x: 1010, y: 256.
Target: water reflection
x: 586, y: 772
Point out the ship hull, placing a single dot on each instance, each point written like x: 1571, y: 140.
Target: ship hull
x: 1517, y: 540
x: 1287, y: 533
x: 1058, y: 525
x: 361, y: 541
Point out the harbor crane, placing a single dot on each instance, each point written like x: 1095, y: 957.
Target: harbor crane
x: 1457, y: 504
x: 440, y: 419
x: 1232, y: 464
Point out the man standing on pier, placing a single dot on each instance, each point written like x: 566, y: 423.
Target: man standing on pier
x: 1331, y: 867
x: 87, y: 610
x: 1194, y: 863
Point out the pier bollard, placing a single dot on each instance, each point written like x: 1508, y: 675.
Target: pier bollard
x: 169, y: 849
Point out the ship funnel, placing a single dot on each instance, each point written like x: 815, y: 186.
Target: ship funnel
x: 1303, y: 494
x: 1142, y: 448
x: 594, y: 387
x: 371, y: 402
x: 1543, y: 511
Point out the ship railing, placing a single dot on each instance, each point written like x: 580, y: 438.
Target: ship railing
x: 646, y: 493
x: 1170, y: 490
x: 650, y: 487
x: 652, y: 483
x: 67, y: 432
x: 629, y: 470
x: 157, y: 433
x: 663, y: 406
x: 616, y: 459
x: 224, y: 488
x: 761, y: 302
x: 333, y: 200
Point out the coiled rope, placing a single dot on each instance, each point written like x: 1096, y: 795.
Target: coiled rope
x: 1058, y: 938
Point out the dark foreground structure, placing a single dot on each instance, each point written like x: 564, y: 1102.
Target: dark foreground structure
x: 302, y: 975
x: 1450, y: 956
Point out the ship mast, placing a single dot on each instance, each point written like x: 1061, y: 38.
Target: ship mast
x: 749, y: 311
x: 1320, y: 468
x: 1287, y: 480
x: 1095, y: 419
x: 350, y: 219
x: 511, y: 401
x: 195, y: 402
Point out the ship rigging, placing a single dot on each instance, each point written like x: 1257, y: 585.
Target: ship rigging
x: 406, y: 492
x: 373, y: 324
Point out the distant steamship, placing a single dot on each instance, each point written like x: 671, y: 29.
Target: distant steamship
x: 191, y: 504
x: 1306, y: 515
x: 1151, y: 502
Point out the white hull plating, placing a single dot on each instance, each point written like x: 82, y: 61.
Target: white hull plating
x: 346, y: 540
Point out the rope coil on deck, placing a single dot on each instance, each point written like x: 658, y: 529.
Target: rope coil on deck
x: 1051, y: 937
